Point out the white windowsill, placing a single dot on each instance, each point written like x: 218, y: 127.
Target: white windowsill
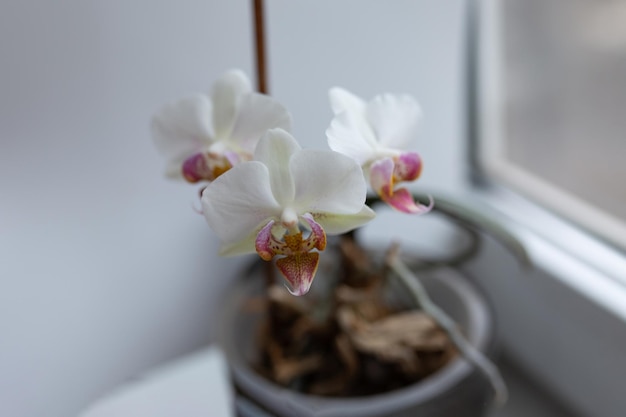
x: 593, y: 268
x: 564, y: 320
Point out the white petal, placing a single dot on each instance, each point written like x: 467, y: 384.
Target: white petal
x: 275, y: 150
x: 243, y: 246
x: 343, y: 100
x: 238, y: 201
x: 335, y: 224
x: 348, y: 135
x: 395, y: 119
x: 226, y: 94
x: 181, y: 129
x: 258, y: 113
x: 327, y: 181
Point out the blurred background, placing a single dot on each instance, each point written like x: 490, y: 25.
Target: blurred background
x: 565, y: 76
x: 105, y: 268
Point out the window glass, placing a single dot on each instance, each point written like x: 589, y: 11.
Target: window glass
x: 563, y: 98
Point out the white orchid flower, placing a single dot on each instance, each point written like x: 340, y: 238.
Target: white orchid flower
x: 376, y: 134
x: 202, y: 136
x: 284, y: 202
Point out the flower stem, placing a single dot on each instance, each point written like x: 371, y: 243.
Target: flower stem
x: 472, y: 217
x: 473, y: 355
x: 259, y: 43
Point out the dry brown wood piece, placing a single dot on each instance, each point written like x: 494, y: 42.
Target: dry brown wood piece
x: 397, y: 338
x: 358, y: 258
x: 347, y: 354
x: 346, y: 294
x: 287, y: 369
x: 279, y: 296
x: 351, y: 342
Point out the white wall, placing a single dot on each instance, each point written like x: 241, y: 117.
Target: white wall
x: 105, y: 270
x: 372, y: 47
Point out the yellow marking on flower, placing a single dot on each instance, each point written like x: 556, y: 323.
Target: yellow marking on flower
x: 220, y: 169
x: 294, y: 242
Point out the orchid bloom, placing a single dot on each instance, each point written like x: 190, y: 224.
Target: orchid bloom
x: 376, y: 134
x: 203, y: 137
x: 284, y: 202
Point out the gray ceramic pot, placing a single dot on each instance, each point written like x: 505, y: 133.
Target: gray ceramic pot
x: 457, y: 390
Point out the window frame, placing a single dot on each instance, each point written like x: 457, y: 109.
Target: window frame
x: 532, y: 202
x: 573, y: 302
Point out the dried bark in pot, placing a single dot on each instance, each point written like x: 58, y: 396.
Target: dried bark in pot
x: 361, y: 346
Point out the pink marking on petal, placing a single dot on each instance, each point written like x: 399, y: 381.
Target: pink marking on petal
x: 299, y: 270
x: 299, y: 264
x: 236, y: 157
x: 381, y: 177
x: 263, y: 242
x: 205, y: 167
x: 196, y: 168
x: 384, y: 173
x: 318, y: 236
x: 408, y: 167
x: 402, y: 200
x: 232, y: 157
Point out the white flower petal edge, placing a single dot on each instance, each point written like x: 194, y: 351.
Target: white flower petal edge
x: 335, y: 224
x: 202, y: 137
x: 284, y: 203
x: 342, y: 100
x: 395, y: 119
x: 181, y: 129
x: 327, y: 182
x: 376, y: 135
x: 367, y: 131
x: 275, y: 150
x: 345, y: 136
x: 227, y: 93
x: 257, y: 114
x: 236, y: 203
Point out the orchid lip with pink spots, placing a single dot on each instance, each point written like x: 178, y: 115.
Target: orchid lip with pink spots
x: 284, y: 202
x: 384, y: 173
